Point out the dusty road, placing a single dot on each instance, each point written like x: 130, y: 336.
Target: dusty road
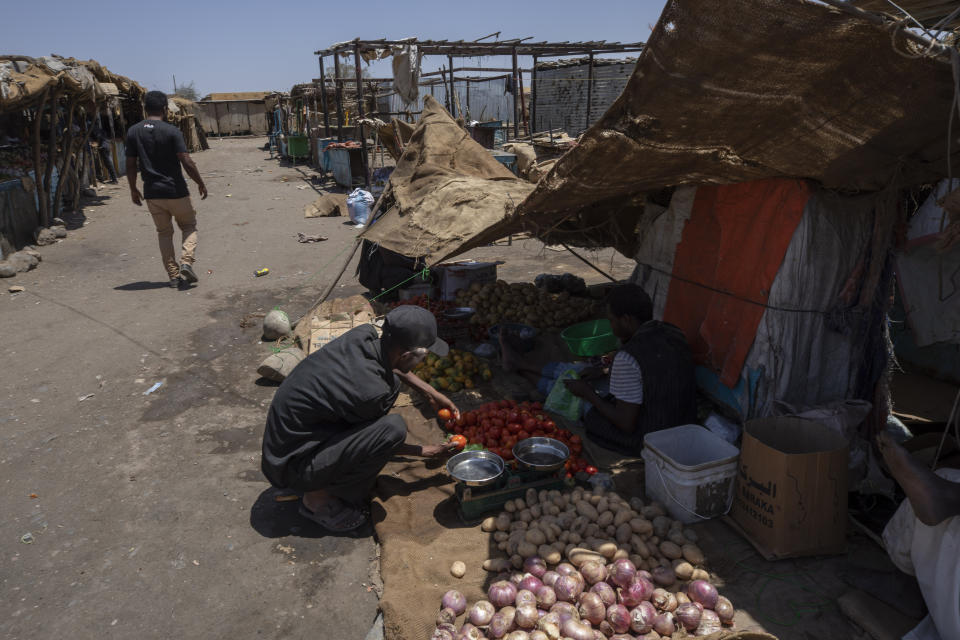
x: 130, y: 515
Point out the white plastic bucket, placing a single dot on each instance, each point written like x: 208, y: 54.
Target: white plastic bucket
x: 690, y: 471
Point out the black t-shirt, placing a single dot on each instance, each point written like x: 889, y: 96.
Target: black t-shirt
x: 347, y: 382
x: 156, y: 144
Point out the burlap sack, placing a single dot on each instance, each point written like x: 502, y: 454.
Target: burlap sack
x: 277, y: 366
x: 326, y: 206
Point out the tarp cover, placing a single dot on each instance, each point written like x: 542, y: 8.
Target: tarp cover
x: 447, y: 188
x: 733, y: 90
x: 24, y: 80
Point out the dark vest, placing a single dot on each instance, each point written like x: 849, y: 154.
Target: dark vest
x: 669, y: 387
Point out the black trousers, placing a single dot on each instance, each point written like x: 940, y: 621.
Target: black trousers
x: 348, y: 464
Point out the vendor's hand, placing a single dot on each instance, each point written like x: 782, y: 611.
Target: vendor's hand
x: 439, y: 401
x: 579, y: 388
x: 591, y: 373
x: 439, y: 450
x: 136, y: 196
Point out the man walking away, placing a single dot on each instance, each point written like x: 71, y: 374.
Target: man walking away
x: 160, y: 151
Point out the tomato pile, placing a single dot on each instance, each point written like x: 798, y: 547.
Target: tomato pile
x: 498, y: 426
x: 450, y: 329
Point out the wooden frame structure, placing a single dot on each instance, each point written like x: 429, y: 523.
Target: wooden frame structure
x: 451, y: 49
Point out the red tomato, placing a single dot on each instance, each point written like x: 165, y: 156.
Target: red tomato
x: 522, y: 435
x: 590, y: 469
x: 507, y: 455
x: 529, y: 424
x: 536, y: 406
x: 504, y: 403
x: 513, y: 416
x: 460, y: 441
x: 575, y: 448
x: 538, y: 434
x: 549, y: 424
x: 513, y: 427
x: 485, y: 424
x: 574, y: 438
x: 445, y: 414
x: 495, y: 451
x: 471, y: 418
x: 494, y: 432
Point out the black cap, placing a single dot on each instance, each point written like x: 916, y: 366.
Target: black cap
x: 411, y: 327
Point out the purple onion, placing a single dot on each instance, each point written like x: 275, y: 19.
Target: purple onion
x: 502, y: 593
x: 535, y: 566
x: 515, y: 578
x: 577, y: 630
x: 565, y: 611
x: 636, y: 592
x: 444, y: 632
x: 643, y: 573
x: 641, y: 618
x: 519, y: 634
x: 619, y: 618
x: 527, y: 616
x: 469, y: 632
x: 480, y: 613
x: 455, y: 600
x: 568, y: 588
x: 593, y: 572
x: 606, y: 593
x: 592, y: 608
x: 623, y: 572
x: 549, y: 578
x: 530, y: 582
x: 621, y: 636
x: 446, y: 616
x: 703, y: 592
x: 709, y: 623
x: 499, y: 625
x: 525, y: 597
x: 665, y: 624
x: 689, y: 616
x: 566, y: 569
x: 663, y: 600
x: 546, y: 597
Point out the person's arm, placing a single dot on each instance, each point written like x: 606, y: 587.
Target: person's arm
x: 132, y: 179
x: 437, y: 399
x: 191, y: 168
x: 622, y: 415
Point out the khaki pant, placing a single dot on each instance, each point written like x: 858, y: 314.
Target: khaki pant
x: 164, y: 211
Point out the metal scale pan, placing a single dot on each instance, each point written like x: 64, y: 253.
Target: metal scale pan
x: 475, y: 468
x: 540, y: 454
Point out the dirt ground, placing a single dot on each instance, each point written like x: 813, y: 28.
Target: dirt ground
x: 127, y: 514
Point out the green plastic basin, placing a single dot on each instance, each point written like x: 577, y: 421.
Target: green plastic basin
x: 590, y: 338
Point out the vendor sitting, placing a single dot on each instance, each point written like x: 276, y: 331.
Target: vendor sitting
x: 651, y: 382
x: 328, y: 431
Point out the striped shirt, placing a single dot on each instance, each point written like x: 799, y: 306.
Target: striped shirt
x: 626, y: 379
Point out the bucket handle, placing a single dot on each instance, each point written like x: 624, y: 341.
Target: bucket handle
x: 663, y: 482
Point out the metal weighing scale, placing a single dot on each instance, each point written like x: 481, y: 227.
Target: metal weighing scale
x: 485, y: 484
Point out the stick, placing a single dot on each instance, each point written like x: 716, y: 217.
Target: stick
x: 589, y: 264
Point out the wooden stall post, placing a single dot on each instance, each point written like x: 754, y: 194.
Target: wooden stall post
x: 516, y: 111
x: 453, y: 89
x: 67, y: 152
x: 360, y: 115
x: 323, y: 100
x: 38, y: 183
x: 523, y: 106
x: 589, y: 89
x: 51, y: 158
x: 533, y: 97
x: 339, y: 85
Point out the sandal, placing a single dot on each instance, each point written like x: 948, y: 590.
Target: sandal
x: 336, y: 520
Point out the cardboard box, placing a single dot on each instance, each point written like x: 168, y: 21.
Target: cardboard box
x: 791, y: 488
x: 460, y: 275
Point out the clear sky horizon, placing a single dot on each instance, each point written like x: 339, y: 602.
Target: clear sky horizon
x: 247, y: 46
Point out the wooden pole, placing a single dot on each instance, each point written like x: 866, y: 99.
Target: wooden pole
x: 339, y: 85
x: 365, y: 161
x: 67, y: 152
x: 516, y: 112
x: 589, y: 89
x: 323, y: 100
x: 533, y: 97
x: 51, y: 156
x: 523, y: 107
x: 38, y: 183
x: 453, y: 89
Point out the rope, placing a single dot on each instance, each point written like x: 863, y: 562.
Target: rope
x: 423, y: 274
x: 589, y: 264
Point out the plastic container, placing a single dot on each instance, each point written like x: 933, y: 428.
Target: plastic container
x: 590, y: 338
x: 690, y: 471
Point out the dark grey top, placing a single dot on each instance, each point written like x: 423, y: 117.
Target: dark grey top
x: 156, y: 144
x: 346, y: 383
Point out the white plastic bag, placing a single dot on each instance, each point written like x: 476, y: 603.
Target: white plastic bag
x: 359, y: 203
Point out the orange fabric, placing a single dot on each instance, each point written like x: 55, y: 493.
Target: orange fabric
x: 734, y: 241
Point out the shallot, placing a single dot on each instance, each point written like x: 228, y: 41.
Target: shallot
x: 606, y: 593
x: 635, y: 592
x: 540, y: 635
x: 577, y: 630
x: 593, y: 572
x: 530, y: 582
x: 527, y: 616
x: 568, y: 588
x: 641, y: 618
x: 619, y: 618
x: 592, y: 608
x: 565, y: 611
x: 480, y: 613
x: 499, y: 625
x: 518, y: 635
x: 549, y: 578
x: 502, y: 593
x: 703, y: 592
x: 665, y: 624
x: 566, y: 569
x: 689, y: 616
x: 455, y: 600
x: 469, y: 632
x: 623, y: 572
x: 709, y: 623
x: 444, y: 632
x: 446, y: 616
x: 525, y: 597
x: 546, y: 597
x: 663, y: 600
x: 535, y: 566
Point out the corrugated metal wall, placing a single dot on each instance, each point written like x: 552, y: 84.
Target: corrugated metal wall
x: 488, y: 100
x: 562, y: 94
x: 232, y: 118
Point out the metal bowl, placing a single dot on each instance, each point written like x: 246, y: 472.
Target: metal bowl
x: 475, y: 468
x: 459, y: 313
x: 541, y: 454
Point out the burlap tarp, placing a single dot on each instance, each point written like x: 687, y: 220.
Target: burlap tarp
x: 446, y: 187
x: 327, y: 205
x: 24, y: 80
x: 733, y: 90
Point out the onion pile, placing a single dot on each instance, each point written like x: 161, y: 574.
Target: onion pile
x: 590, y: 566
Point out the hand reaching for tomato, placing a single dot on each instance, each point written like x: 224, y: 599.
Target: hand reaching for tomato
x: 441, y: 403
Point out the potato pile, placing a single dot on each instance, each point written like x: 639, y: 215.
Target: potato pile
x: 586, y: 525
x: 523, y: 302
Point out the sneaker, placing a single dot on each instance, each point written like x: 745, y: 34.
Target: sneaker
x: 174, y: 283
x: 186, y: 272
